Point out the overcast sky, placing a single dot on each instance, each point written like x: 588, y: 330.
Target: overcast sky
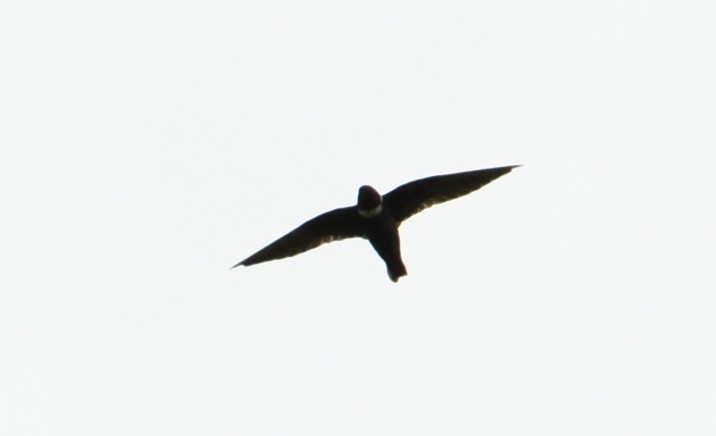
x: 147, y: 146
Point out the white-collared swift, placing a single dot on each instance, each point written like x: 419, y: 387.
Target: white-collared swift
x: 377, y: 217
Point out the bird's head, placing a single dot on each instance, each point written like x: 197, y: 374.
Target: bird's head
x: 370, y: 203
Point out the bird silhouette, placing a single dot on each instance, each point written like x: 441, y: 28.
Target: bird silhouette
x: 377, y: 217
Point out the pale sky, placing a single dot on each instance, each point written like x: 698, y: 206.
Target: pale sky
x: 147, y: 146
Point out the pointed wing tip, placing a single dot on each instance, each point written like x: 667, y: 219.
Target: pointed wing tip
x: 509, y: 168
x: 238, y: 264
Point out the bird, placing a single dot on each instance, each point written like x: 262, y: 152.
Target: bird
x: 377, y: 217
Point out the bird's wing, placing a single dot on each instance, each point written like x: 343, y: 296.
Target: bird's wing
x: 331, y: 226
x: 408, y: 199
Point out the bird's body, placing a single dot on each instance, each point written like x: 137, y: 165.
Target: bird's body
x: 382, y: 232
x: 377, y: 218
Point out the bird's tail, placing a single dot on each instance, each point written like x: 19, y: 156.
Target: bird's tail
x: 397, y: 271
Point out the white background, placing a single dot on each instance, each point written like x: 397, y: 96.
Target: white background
x: 145, y: 147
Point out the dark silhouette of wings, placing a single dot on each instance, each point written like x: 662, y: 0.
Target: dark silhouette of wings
x: 331, y: 226
x: 408, y: 199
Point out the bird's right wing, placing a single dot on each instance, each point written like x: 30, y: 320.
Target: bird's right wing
x: 331, y: 226
x: 408, y: 199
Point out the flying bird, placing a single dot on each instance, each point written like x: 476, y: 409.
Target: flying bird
x: 377, y: 217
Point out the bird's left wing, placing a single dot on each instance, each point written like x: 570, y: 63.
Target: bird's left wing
x: 331, y: 226
x: 408, y: 199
